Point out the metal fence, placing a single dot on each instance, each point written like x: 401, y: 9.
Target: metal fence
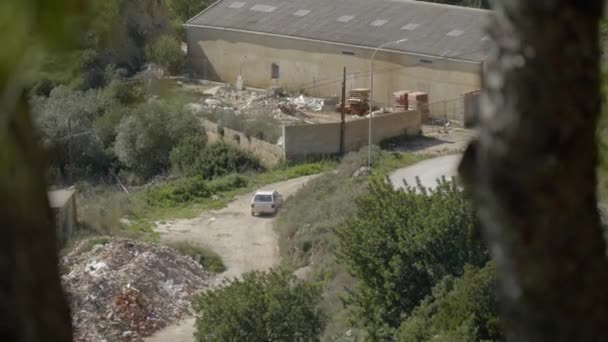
x: 452, y: 110
x: 461, y: 110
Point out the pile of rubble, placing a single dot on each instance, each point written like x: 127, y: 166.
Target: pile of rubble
x: 124, y: 290
x: 274, y: 103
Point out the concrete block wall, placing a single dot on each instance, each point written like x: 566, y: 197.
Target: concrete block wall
x: 301, y: 141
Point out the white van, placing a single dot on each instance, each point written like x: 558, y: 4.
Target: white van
x: 265, y: 202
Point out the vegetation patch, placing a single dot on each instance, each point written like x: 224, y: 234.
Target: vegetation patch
x: 306, y: 228
x: 261, y: 306
x: 210, y: 260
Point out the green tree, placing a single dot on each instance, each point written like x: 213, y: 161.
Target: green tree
x: 146, y: 137
x: 166, y: 52
x: 66, y: 108
x: 459, y: 309
x: 186, y: 9
x: 399, y: 244
x: 260, y: 307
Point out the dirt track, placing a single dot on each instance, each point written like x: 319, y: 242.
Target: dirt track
x: 244, y: 242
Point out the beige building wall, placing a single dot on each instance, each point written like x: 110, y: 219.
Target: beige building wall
x: 316, y: 67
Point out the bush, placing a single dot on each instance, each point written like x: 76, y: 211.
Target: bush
x: 273, y: 306
x: 105, y: 127
x: 184, y: 156
x: 177, y: 192
x: 79, y: 109
x: 190, y: 190
x: 146, y: 137
x: 220, y: 159
x: 399, y: 244
x: 210, y: 260
x: 459, y: 309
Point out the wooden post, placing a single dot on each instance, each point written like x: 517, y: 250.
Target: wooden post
x: 70, y: 150
x: 343, y: 113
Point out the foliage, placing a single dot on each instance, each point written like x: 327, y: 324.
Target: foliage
x: 105, y: 126
x: 266, y: 129
x: 210, y: 260
x: 459, y: 309
x: 186, y: 9
x: 165, y: 52
x: 186, y: 154
x: 190, y: 190
x: 399, y: 244
x: 79, y: 110
x: 273, y: 306
x: 146, y: 137
x: 306, y: 228
x: 219, y: 159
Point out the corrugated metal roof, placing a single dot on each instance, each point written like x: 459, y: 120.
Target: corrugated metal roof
x: 431, y: 29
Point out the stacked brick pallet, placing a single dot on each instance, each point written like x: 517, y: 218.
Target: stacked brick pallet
x: 409, y: 100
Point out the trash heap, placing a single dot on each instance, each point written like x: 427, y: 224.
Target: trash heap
x: 273, y: 102
x: 124, y: 290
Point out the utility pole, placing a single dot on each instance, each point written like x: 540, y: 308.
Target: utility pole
x: 343, y: 113
x: 70, y: 150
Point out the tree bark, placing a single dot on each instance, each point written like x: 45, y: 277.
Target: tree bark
x: 32, y: 304
x: 532, y: 170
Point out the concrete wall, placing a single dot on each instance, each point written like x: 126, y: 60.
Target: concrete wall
x: 301, y: 141
x: 268, y: 153
x: 65, y: 221
x: 316, y: 67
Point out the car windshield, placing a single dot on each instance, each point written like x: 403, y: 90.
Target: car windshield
x: 262, y: 198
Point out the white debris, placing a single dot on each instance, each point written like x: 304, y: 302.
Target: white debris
x: 124, y: 290
x: 213, y: 102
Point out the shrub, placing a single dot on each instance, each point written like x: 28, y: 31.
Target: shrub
x: 210, y: 260
x: 459, y: 309
x: 184, y: 156
x: 220, y: 159
x: 79, y: 109
x: 190, y: 190
x: 273, y: 306
x: 105, y: 127
x: 399, y: 244
x: 177, y: 192
x: 146, y: 137
x: 228, y: 183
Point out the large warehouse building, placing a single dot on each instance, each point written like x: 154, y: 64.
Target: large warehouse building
x: 304, y: 45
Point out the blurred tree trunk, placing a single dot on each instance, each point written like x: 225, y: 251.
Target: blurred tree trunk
x: 532, y: 170
x: 32, y: 304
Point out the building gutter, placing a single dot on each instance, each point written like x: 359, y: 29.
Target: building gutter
x: 433, y: 57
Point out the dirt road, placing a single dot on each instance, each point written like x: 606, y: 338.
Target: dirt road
x: 244, y: 242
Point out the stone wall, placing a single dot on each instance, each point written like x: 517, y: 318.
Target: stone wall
x: 268, y: 153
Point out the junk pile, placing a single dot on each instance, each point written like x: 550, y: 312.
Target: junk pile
x: 357, y: 102
x: 273, y: 102
x: 124, y: 290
